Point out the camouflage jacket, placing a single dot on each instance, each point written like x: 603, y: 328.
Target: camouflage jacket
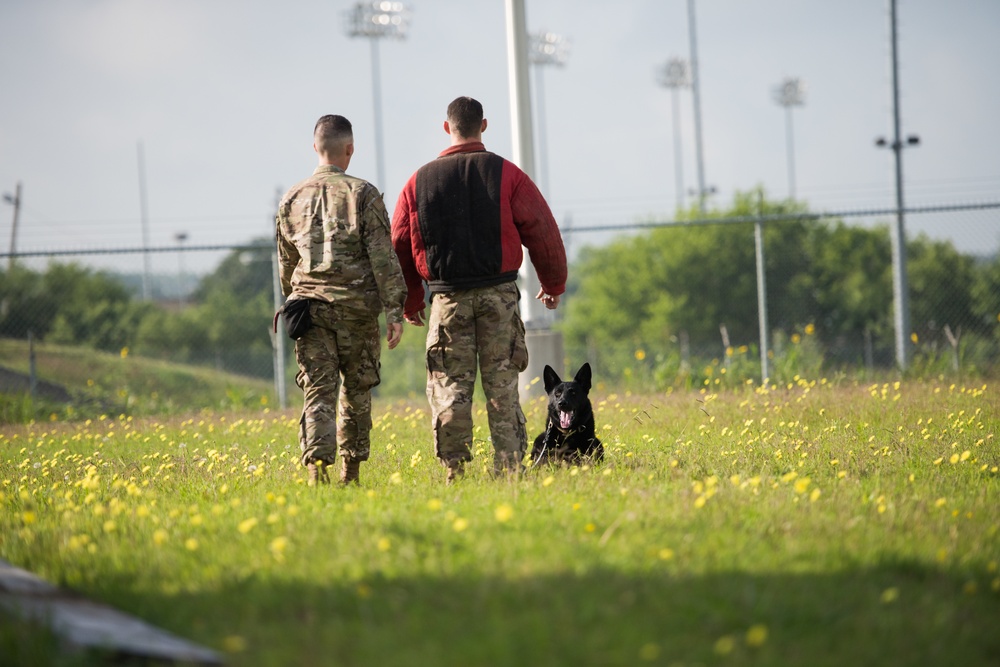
x: 334, y: 245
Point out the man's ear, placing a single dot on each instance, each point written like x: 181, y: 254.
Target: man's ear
x: 315, y: 148
x: 483, y: 128
x: 349, y: 149
x: 447, y: 128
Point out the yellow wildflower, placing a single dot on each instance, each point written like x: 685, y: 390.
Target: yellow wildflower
x: 504, y: 513
x: 757, y: 634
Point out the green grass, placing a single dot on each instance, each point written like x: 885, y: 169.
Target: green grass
x: 101, y: 382
x: 803, y: 524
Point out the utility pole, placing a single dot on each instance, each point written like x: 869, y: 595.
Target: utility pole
x: 144, y: 219
x: 900, y: 282
x: 16, y: 202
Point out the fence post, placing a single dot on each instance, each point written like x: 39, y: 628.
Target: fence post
x: 280, y: 386
x: 32, y: 373
x: 758, y: 237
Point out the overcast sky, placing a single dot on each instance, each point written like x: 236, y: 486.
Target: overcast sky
x: 223, y: 95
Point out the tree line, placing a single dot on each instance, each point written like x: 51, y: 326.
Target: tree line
x: 630, y: 300
x: 698, y: 283
x: 224, y: 323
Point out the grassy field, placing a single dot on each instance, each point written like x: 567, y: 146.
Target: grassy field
x: 100, y: 382
x: 802, y: 524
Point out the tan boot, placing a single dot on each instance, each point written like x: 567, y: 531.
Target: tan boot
x: 317, y: 472
x: 350, y: 471
x: 456, y: 470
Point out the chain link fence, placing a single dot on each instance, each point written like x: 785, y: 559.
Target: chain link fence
x: 221, y: 322
x: 833, y: 312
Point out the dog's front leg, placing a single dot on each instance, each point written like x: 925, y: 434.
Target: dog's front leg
x: 549, y: 443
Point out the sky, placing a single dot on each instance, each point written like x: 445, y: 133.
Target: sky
x: 222, y: 95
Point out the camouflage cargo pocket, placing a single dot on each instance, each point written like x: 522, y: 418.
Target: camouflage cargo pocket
x: 359, y: 346
x: 435, y: 351
x: 519, y: 348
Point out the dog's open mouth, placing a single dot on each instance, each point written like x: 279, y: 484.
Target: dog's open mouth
x: 565, y: 419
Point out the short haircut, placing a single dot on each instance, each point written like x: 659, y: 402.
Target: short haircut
x: 332, y: 132
x: 465, y: 116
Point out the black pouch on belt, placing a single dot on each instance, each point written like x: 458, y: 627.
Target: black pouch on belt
x: 297, y: 318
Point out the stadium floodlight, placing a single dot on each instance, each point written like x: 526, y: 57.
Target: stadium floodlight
x: 548, y: 48
x: 545, y: 49
x: 381, y: 18
x: 377, y: 20
x: 674, y: 75
x: 791, y: 92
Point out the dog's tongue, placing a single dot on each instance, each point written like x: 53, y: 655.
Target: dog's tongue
x: 565, y: 418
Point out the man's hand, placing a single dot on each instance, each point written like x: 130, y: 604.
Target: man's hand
x: 394, y: 332
x: 416, y: 319
x: 551, y: 302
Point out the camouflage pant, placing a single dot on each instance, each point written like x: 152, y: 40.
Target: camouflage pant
x: 338, y: 354
x: 483, y: 323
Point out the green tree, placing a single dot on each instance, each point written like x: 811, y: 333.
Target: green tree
x: 25, y: 305
x: 941, y: 288
x: 243, y: 273
x: 851, y: 278
x: 986, y: 295
x: 175, y: 336
x: 69, y: 304
x: 692, y: 279
x: 232, y: 314
x: 686, y: 281
x: 94, y: 308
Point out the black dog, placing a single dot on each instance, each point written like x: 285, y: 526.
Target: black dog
x: 569, y: 431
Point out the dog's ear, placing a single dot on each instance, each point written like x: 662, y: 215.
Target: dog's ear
x: 583, y: 376
x: 551, y: 378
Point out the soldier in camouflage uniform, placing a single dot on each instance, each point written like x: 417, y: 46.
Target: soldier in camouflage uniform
x: 459, y: 225
x: 334, y: 249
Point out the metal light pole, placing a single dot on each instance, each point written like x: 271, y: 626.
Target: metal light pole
x: 696, y: 98
x: 180, y: 237
x: 544, y: 345
x: 674, y: 75
x: 900, y: 283
x: 545, y: 48
x: 790, y: 93
x: 375, y: 20
x: 14, y: 200
x: 762, y: 326
x: 144, y: 220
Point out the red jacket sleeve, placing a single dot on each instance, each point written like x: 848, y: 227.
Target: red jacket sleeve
x: 408, y: 246
x: 539, y: 232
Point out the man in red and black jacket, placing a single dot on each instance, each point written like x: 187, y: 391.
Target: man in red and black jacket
x: 458, y: 226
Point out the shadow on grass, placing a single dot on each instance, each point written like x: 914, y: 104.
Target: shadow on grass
x: 898, y: 614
